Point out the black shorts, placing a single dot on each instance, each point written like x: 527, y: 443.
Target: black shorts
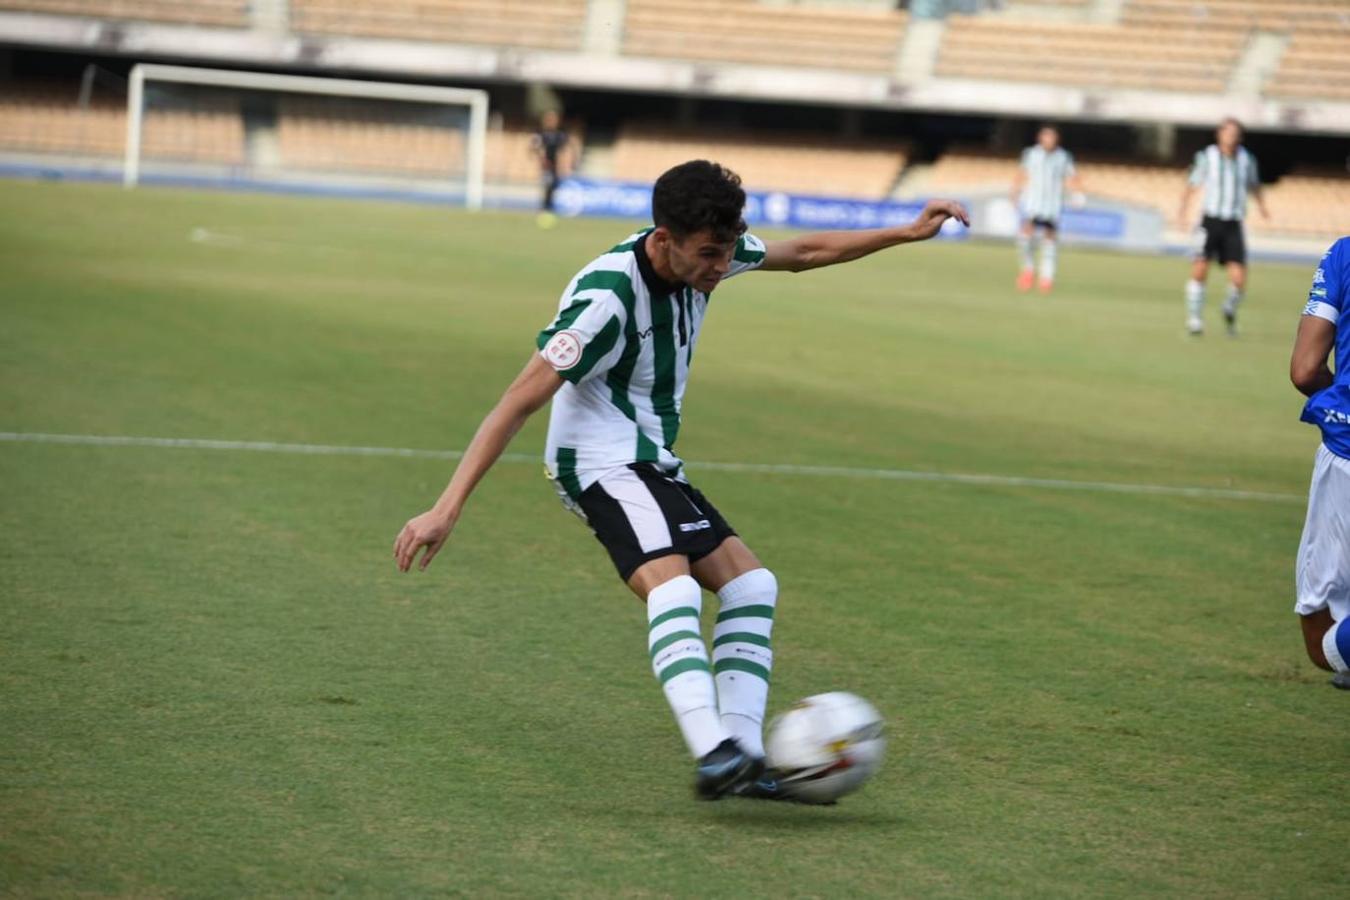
x: 1051, y: 224
x: 640, y: 514
x: 1221, y: 239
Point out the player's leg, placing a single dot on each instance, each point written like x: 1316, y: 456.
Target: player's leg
x: 650, y: 528
x: 1026, y: 249
x: 1195, y: 296
x: 742, y: 650
x: 1236, y: 263
x: 1206, y: 246
x: 1322, y: 572
x: 1315, y: 626
x: 1049, y: 257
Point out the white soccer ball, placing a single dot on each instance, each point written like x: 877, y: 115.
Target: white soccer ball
x: 826, y: 746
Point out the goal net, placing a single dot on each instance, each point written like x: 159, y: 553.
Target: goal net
x: 320, y: 134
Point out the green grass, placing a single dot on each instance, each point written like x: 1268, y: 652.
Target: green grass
x: 213, y: 682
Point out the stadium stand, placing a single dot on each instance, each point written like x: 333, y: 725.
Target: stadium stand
x: 1238, y: 15
x: 744, y: 31
x: 802, y: 163
x: 1314, y: 66
x: 1084, y: 54
x: 46, y: 119
x: 554, y: 24
x: 342, y: 135
x: 228, y: 13
x: 326, y: 134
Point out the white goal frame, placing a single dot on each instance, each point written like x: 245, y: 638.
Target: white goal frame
x: 476, y: 100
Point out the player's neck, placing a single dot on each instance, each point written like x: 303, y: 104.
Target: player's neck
x: 661, y: 265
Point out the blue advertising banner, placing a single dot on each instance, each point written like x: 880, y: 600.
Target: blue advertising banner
x: 1093, y: 223
x: 632, y: 200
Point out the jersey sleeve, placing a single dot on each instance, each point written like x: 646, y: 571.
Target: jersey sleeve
x: 1197, y: 176
x: 1253, y: 172
x: 1070, y: 170
x: 586, y: 338
x: 1326, y: 298
x: 1025, y: 161
x: 749, y: 255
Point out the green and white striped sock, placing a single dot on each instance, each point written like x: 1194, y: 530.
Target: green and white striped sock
x: 742, y: 657
x: 680, y: 661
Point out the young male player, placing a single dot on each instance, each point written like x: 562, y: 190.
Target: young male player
x: 1322, y: 574
x: 615, y: 362
x: 1038, y: 190
x: 1227, y: 173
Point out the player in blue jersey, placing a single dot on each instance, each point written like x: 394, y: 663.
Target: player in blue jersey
x: 1322, y: 573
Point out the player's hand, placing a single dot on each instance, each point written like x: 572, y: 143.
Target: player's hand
x: 929, y: 222
x: 429, y: 530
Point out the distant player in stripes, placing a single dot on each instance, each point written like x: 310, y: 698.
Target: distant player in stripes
x: 1227, y: 174
x: 615, y: 362
x: 1038, y: 190
x: 1322, y: 574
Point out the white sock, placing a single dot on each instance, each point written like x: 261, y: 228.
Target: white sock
x: 1195, y: 298
x: 1230, y: 305
x: 1049, y: 251
x: 680, y: 661
x: 742, y: 657
x: 1024, y: 249
x: 1336, y: 645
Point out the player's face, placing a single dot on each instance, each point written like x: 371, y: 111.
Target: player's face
x: 1229, y: 134
x: 1048, y: 138
x: 700, y: 261
x: 550, y: 121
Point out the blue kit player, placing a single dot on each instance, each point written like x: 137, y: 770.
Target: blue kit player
x: 1323, y: 569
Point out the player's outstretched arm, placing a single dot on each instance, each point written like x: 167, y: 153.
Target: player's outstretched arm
x: 533, y: 387
x: 1308, y: 368
x: 828, y: 248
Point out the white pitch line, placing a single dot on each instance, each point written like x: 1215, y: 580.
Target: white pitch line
x: 97, y: 440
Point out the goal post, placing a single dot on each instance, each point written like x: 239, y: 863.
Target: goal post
x: 474, y: 147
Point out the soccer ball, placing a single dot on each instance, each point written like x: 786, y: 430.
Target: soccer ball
x: 825, y: 746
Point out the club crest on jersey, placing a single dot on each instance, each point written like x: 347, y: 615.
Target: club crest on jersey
x: 563, y: 350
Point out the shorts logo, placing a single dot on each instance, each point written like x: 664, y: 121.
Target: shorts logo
x: 700, y: 525
x: 563, y: 350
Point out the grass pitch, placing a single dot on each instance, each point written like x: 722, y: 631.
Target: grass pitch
x: 213, y: 682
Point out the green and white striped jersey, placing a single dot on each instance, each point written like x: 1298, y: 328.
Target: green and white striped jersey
x: 1043, y: 195
x: 1226, y: 181
x: 623, y: 340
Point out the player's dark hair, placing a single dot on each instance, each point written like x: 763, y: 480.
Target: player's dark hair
x: 1048, y: 126
x: 1230, y: 120
x: 697, y: 196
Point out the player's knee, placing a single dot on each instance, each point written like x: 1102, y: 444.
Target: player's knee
x: 1327, y: 641
x: 757, y: 587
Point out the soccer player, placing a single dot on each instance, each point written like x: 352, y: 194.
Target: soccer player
x: 1227, y: 173
x: 551, y: 146
x: 1038, y: 191
x: 1322, y: 574
x: 615, y: 362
